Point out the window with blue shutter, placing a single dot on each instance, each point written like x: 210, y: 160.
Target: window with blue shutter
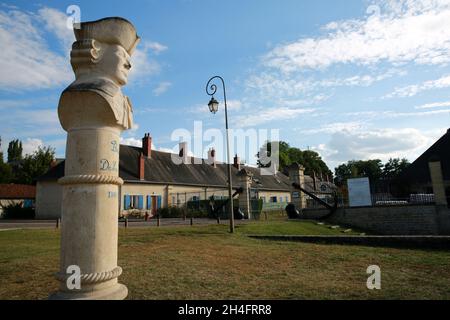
x: 159, y: 202
x: 149, y: 202
x: 126, y: 202
x: 28, y: 203
x: 140, y: 202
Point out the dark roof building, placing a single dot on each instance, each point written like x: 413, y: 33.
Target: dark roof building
x: 160, y: 169
x: 416, y: 178
x: 165, y: 179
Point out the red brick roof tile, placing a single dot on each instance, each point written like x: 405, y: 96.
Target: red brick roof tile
x: 17, y: 191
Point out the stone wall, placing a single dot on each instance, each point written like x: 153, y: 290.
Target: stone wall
x: 48, y: 200
x: 390, y: 220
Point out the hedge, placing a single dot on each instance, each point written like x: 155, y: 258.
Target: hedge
x: 17, y: 211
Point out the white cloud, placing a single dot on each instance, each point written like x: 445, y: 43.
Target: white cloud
x: 31, y: 122
x: 262, y: 116
x: 8, y: 6
x: 380, y: 144
x: 434, y: 105
x: 307, y: 101
x: 143, y: 66
x: 279, y: 85
x: 273, y: 85
x: 28, y: 63
x: 167, y: 150
x: 395, y: 114
x: 131, y: 142
x: 156, y: 47
x: 47, y: 117
x: 412, y: 90
x: 56, y: 22
x: 25, y: 58
x: 335, y: 127
x: 31, y: 145
x: 364, y: 80
x: 234, y: 105
x: 410, y: 31
x: 7, y: 104
x: 135, y: 142
x: 161, y: 88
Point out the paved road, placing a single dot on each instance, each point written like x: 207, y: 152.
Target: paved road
x: 51, y: 224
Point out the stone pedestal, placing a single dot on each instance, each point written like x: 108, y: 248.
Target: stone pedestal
x: 89, y: 232
x: 94, y: 112
x: 245, y: 182
x: 90, y: 214
x: 297, y: 175
x: 438, y: 182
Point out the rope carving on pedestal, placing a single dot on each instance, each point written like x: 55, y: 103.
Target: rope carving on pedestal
x: 91, y: 179
x: 92, y: 278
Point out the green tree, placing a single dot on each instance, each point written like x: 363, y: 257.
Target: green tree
x: 6, y: 173
x: 373, y: 169
x: 313, y: 162
x: 15, y: 151
x: 1, y: 152
x: 265, y: 153
x: 394, y: 167
x: 35, y: 165
x: 344, y: 172
x: 287, y: 155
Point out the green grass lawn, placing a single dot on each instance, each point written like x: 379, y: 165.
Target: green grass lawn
x: 206, y: 262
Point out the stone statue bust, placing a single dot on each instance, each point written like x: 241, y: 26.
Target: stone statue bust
x: 94, y: 112
x: 100, y: 59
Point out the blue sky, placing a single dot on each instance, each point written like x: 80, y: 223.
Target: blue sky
x: 349, y: 79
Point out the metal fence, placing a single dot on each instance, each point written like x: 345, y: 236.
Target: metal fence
x: 386, y: 199
x: 274, y: 206
x: 179, y: 199
x: 329, y: 199
x: 421, y: 198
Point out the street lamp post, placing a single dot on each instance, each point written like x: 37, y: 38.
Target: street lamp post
x: 213, y: 105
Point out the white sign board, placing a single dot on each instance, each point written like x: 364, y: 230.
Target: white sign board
x: 359, y: 192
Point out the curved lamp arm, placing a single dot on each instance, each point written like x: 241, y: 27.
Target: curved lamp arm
x: 211, y: 90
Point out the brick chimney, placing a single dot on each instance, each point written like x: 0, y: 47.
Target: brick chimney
x: 237, y: 162
x: 184, y: 152
x: 142, y: 167
x: 147, y: 145
x: 212, y: 157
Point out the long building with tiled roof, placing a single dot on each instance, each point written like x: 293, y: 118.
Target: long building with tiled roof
x: 11, y: 194
x: 152, y: 179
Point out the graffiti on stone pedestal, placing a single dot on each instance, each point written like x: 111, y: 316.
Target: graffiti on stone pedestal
x: 106, y: 165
